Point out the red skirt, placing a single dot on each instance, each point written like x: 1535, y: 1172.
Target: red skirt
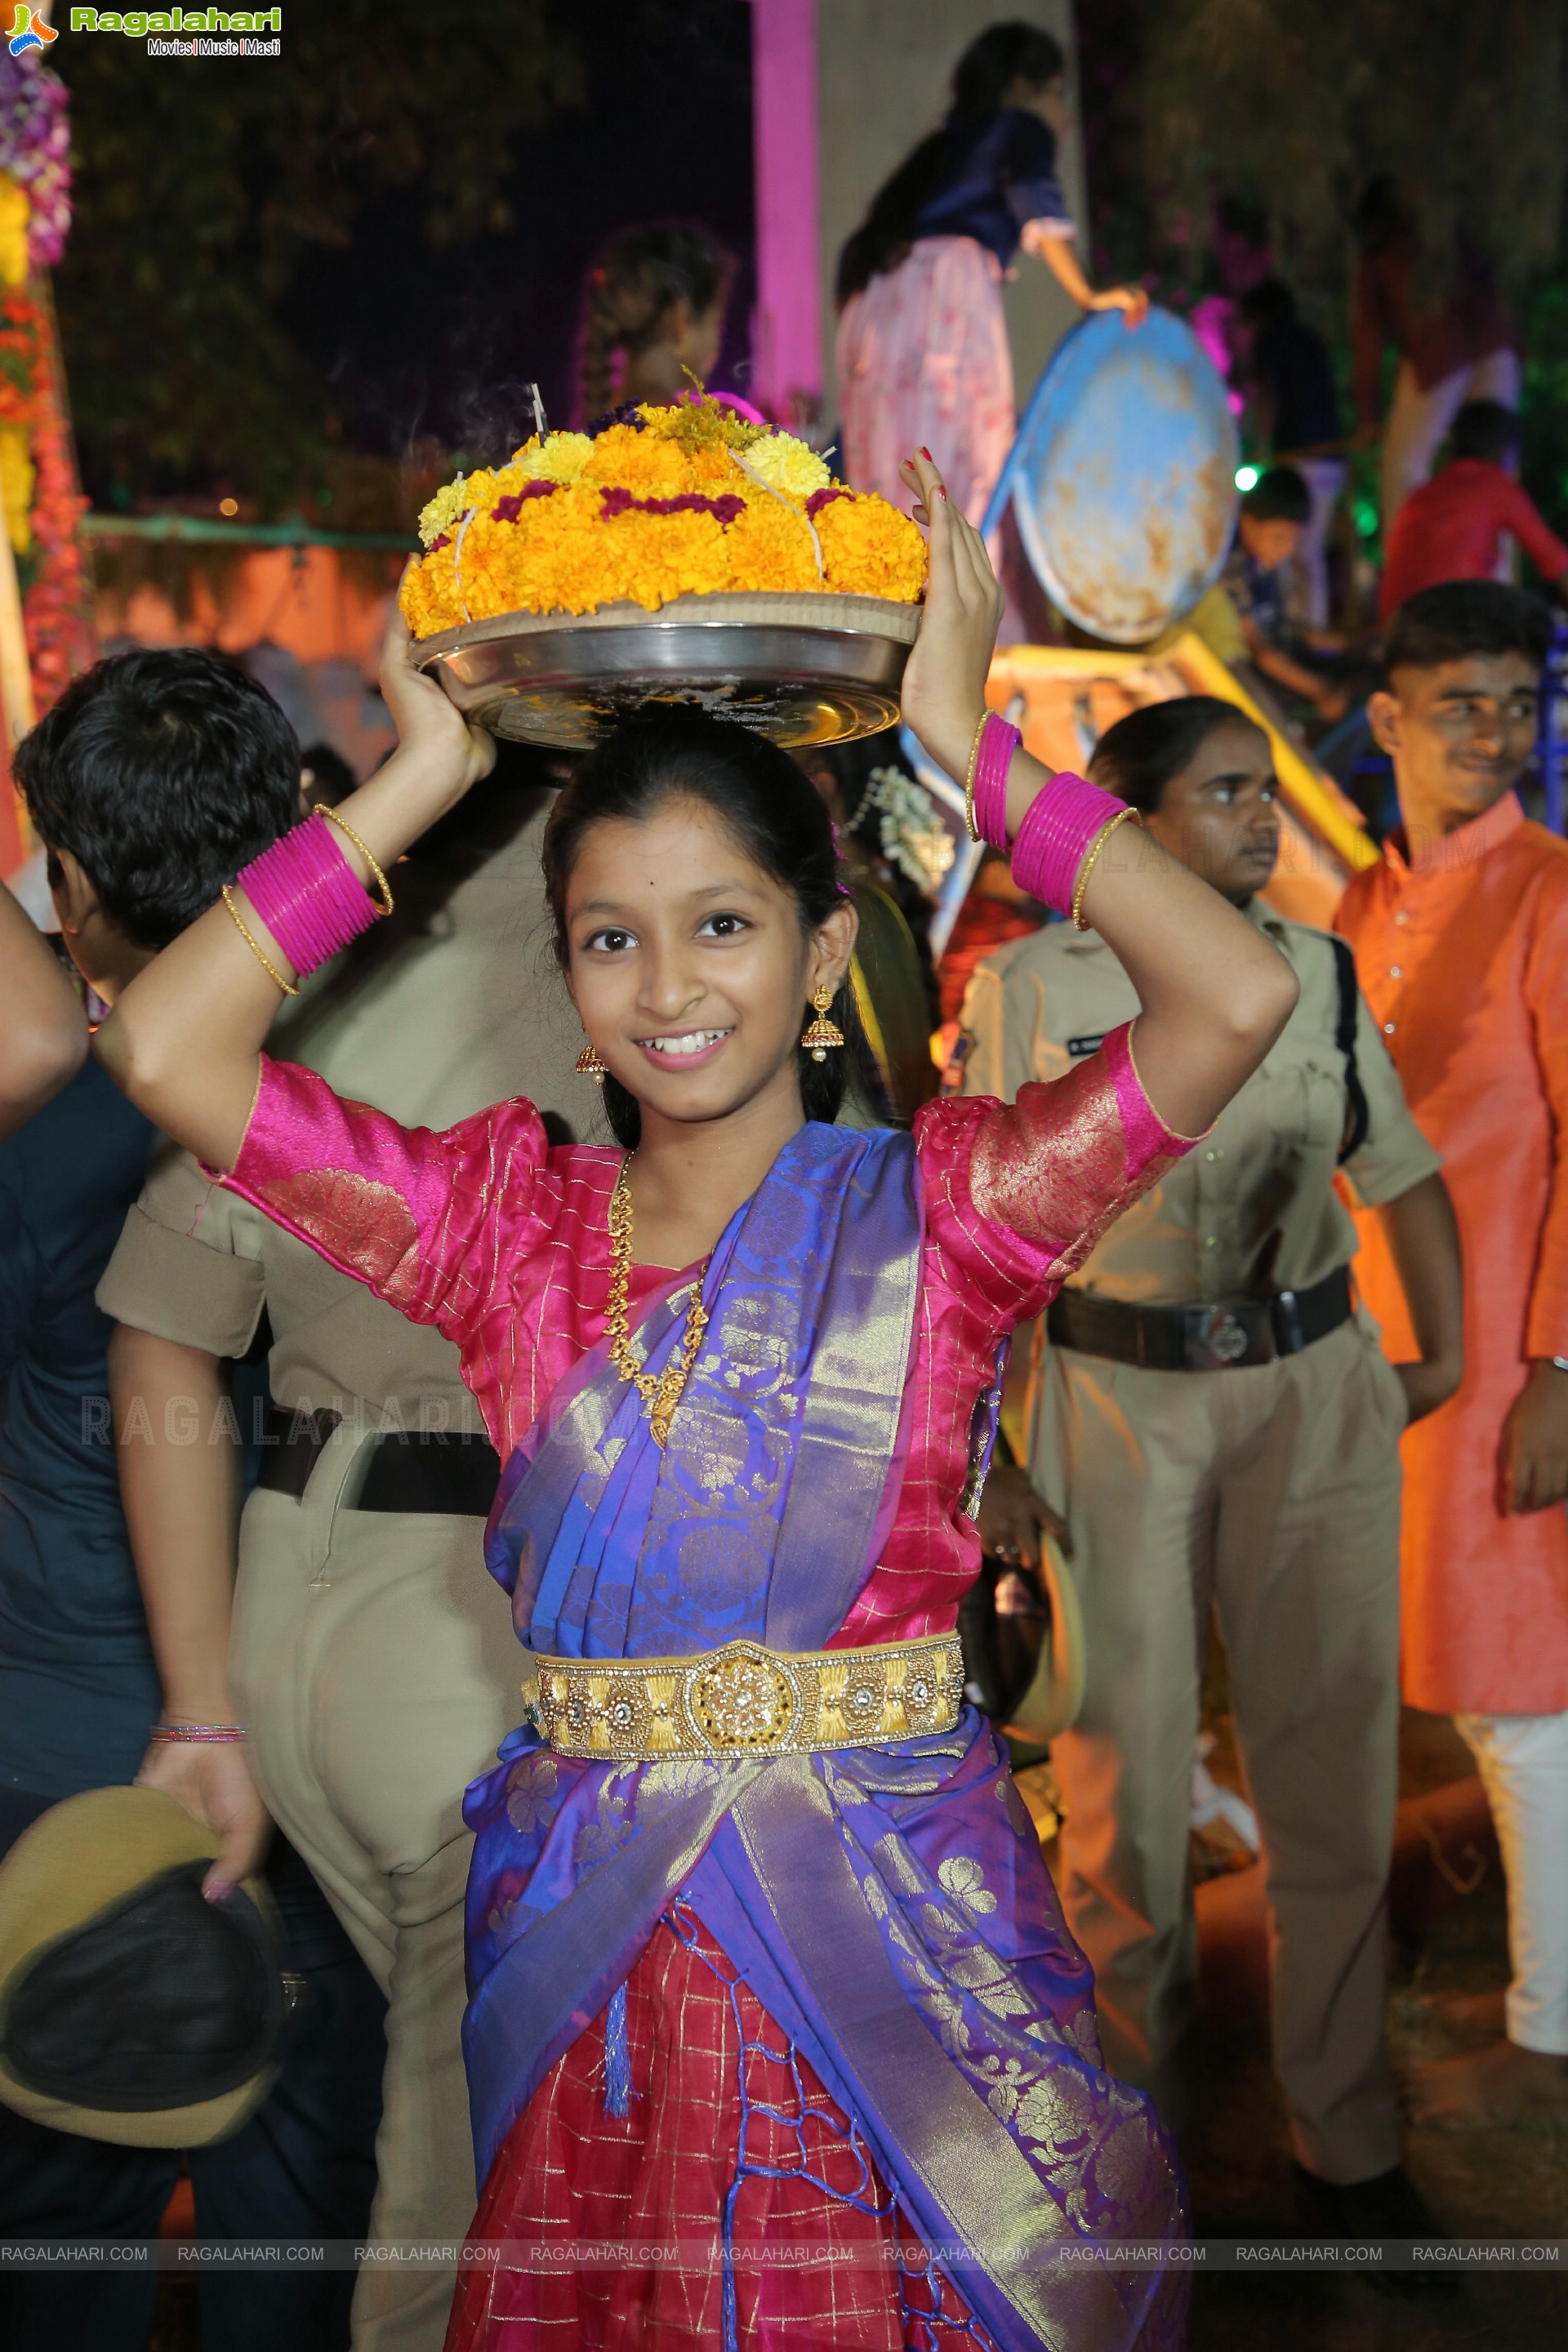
x: 783, y: 2149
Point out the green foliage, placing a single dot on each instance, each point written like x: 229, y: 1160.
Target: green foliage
x: 1295, y: 107
x: 201, y: 185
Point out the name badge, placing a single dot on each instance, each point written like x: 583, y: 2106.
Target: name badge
x: 1078, y: 1047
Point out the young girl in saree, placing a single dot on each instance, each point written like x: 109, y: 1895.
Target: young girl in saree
x: 764, y: 1959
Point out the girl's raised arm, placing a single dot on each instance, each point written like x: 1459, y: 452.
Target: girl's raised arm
x: 1214, y: 993
x: 183, y: 1040
x: 42, y: 1040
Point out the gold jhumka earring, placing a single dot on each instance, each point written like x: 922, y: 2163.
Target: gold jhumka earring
x: 822, y: 1032
x: 589, y: 1065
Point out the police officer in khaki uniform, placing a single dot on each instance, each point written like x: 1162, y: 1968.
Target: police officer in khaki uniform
x: 1217, y: 1426
x: 373, y: 1659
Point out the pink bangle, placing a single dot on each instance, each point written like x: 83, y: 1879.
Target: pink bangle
x: 1060, y: 828
x: 308, y: 895
x: 214, y: 1735
x: 993, y: 758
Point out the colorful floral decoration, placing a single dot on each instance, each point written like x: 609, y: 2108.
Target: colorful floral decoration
x: 37, y: 473
x: 649, y: 504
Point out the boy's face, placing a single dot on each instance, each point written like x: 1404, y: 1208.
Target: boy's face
x: 1270, y: 543
x: 1458, y: 735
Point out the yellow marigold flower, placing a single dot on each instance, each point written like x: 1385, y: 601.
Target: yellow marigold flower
x: 788, y: 465
x: 444, y: 512
x: 869, y: 548
x: 770, y: 548
x: 560, y: 457
x: 644, y: 463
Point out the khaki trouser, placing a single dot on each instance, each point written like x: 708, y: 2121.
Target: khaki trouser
x: 1273, y: 1493
x: 375, y: 1661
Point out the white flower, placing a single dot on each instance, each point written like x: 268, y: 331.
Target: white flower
x: 787, y: 465
x: 913, y: 836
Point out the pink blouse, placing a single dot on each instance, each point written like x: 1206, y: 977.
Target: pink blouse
x: 502, y: 1241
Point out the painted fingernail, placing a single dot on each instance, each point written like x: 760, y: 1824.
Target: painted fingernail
x: 942, y: 492
x: 925, y: 453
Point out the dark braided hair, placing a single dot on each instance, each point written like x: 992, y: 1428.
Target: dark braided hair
x: 634, y: 283
x: 1001, y: 55
x: 775, y: 816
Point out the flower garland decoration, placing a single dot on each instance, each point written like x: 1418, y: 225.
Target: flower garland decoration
x: 913, y: 835
x: 42, y: 505
x: 35, y: 149
x: 653, y: 502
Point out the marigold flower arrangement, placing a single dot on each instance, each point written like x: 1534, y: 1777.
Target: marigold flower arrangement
x: 656, y: 502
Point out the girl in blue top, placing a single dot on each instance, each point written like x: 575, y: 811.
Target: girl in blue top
x: 922, y: 353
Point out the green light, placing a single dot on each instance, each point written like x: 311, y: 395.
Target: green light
x: 1364, y: 515
x: 1247, y: 478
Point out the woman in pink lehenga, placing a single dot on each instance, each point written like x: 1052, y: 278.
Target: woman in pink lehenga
x: 922, y: 354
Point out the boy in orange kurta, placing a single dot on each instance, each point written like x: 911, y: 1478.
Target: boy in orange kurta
x: 1460, y: 934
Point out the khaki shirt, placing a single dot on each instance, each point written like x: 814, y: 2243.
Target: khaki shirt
x: 453, y: 1004
x: 1253, y: 1208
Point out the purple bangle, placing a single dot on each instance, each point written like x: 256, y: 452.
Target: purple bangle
x: 993, y: 757
x: 308, y: 895
x: 1058, y: 828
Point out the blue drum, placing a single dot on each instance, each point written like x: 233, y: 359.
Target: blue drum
x: 1122, y: 477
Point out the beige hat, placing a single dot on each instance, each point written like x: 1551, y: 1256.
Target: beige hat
x: 133, y: 2010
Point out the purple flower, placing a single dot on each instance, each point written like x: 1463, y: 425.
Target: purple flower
x: 823, y: 498
x: 35, y: 140
x: 508, y: 510
x: 725, y: 507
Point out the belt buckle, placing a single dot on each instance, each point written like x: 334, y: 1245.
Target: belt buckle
x: 742, y: 1700
x: 1217, y: 1339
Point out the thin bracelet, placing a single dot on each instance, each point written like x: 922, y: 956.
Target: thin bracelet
x: 333, y: 818
x: 289, y: 988
x: 1087, y: 868
x: 201, y: 1735
x: 969, y: 776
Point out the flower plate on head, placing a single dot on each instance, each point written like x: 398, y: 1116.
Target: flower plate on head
x: 679, y: 553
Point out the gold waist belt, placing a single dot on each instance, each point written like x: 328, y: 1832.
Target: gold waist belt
x: 745, y: 1700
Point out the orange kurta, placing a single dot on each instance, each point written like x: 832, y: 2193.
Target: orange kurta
x: 1463, y: 957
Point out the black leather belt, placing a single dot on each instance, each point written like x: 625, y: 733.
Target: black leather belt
x: 1201, y: 1338
x: 411, y: 1470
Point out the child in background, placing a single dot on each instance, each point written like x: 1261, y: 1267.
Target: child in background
x: 652, y: 316
x: 1456, y: 526
x: 1274, y: 514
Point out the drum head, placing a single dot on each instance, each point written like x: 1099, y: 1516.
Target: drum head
x: 1124, y: 476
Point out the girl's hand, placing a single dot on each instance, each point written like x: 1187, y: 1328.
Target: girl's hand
x: 431, y: 729
x: 944, y: 683
x: 1131, y: 298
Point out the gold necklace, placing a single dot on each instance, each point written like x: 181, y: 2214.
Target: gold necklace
x: 660, y: 1391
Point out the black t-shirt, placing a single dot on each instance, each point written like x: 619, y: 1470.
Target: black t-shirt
x: 78, y: 1689
x: 1292, y: 360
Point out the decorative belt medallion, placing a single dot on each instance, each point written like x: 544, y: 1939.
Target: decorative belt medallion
x: 746, y: 1700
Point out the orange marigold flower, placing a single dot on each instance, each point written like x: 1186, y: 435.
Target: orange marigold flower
x: 869, y: 548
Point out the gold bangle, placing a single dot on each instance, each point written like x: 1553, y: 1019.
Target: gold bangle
x: 333, y: 818
x: 969, y: 776
x: 253, y: 944
x: 1087, y: 868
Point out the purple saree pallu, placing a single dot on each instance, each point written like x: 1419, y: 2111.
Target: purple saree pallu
x: 888, y: 1905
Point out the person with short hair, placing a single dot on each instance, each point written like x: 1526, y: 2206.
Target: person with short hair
x: 1289, y: 375
x: 1275, y: 514
x: 1458, y: 525
x: 1460, y: 933
x: 150, y: 782
x: 1214, y: 1427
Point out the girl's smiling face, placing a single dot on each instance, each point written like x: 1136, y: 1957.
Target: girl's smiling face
x: 688, y: 964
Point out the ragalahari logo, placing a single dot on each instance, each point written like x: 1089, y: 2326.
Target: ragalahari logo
x: 30, y: 32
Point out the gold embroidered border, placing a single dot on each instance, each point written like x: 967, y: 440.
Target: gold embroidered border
x: 745, y: 1700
